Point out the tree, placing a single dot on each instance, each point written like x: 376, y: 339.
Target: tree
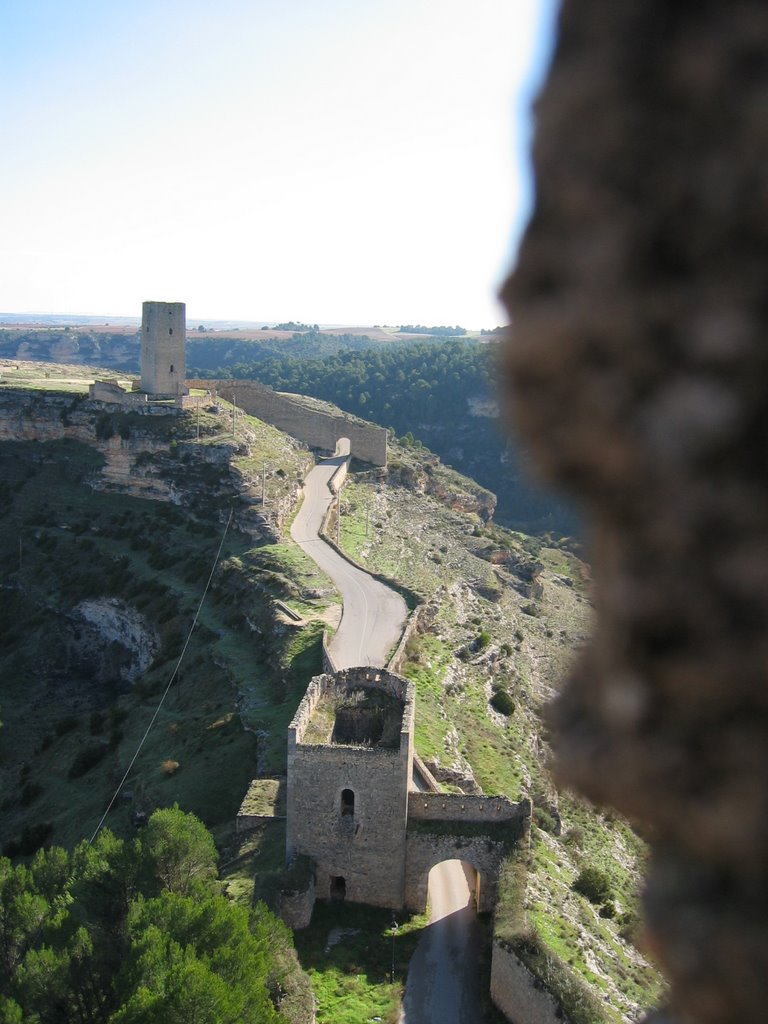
x: 178, y: 850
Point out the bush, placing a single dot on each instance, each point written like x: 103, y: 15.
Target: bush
x: 544, y: 820
x: 594, y: 884
x: 482, y: 640
x: 86, y: 758
x: 66, y: 724
x: 502, y: 702
x: 608, y: 910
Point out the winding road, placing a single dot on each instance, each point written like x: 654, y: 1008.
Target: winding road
x: 373, y: 616
x: 443, y: 984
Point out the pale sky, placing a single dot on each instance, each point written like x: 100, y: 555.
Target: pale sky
x: 330, y: 161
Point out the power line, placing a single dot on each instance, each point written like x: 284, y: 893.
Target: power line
x: 170, y: 683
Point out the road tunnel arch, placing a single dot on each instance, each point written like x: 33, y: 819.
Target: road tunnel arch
x: 452, y: 886
x: 425, y: 850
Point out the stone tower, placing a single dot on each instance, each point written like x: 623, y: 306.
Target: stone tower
x: 163, y: 340
x: 350, y: 760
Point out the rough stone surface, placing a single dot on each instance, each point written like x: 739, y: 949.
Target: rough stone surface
x: 386, y: 848
x: 163, y: 348
x: 313, y: 426
x: 518, y: 993
x: 639, y: 366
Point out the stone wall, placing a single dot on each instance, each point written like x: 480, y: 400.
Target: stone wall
x: 110, y: 391
x: 519, y: 994
x: 316, y: 428
x: 367, y: 847
x: 295, y: 907
x: 163, y: 348
x: 459, y: 807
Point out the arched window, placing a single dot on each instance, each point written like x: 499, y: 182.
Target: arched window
x: 347, y: 803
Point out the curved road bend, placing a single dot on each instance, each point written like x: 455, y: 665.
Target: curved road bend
x: 373, y: 616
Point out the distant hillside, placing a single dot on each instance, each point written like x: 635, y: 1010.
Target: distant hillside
x: 440, y: 391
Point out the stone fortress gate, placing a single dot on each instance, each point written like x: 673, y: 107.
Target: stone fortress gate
x: 353, y: 809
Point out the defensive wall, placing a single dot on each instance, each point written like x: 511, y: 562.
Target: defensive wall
x: 163, y: 348
x: 477, y: 829
x: 315, y: 427
x: 518, y: 993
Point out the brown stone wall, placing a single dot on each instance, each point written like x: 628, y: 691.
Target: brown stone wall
x: 518, y: 993
x: 367, y: 848
x: 312, y: 426
x: 459, y: 807
x: 639, y: 367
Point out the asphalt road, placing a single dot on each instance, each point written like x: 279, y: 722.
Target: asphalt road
x: 373, y: 616
x: 443, y: 986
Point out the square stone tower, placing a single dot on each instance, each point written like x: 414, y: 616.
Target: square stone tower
x: 350, y: 760
x: 163, y: 348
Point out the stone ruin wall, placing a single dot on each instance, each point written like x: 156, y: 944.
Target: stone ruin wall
x: 163, y: 348
x: 315, y: 428
x: 367, y: 849
x: 518, y: 993
x: 425, y: 850
x: 459, y: 807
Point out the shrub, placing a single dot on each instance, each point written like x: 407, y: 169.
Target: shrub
x: 482, y: 640
x: 594, y: 884
x: 65, y: 724
x: 86, y: 758
x: 608, y: 909
x: 544, y: 820
x: 502, y: 702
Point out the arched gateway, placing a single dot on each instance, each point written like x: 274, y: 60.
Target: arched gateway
x: 351, y: 808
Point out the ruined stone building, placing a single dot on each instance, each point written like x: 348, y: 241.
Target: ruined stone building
x: 353, y: 808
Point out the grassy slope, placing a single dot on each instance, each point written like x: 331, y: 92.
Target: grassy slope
x: 76, y: 544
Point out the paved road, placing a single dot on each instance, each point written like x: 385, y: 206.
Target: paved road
x: 443, y: 986
x: 373, y: 616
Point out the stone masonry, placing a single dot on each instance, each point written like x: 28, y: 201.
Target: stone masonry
x: 352, y: 809
x: 163, y: 348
